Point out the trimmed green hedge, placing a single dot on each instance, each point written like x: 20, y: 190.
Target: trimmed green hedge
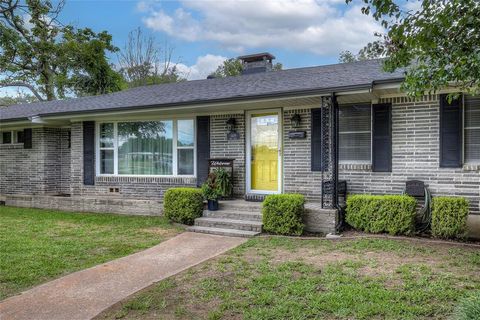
x: 394, y: 214
x: 449, y: 217
x: 183, y: 205
x: 282, y: 214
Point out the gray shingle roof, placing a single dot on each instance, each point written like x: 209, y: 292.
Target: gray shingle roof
x: 288, y: 81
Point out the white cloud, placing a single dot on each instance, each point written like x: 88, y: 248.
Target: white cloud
x: 204, y: 66
x: 305, y: 25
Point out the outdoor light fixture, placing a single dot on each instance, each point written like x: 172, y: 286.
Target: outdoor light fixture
x: 232, y: 134
x: 296, y: 119
x: 231, y: 124
x: 296, y: 134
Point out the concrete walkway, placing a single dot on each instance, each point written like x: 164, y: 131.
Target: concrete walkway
x: 84, y: 294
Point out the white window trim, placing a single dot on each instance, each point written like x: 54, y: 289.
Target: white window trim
x: 174, y: 150
x: 14, y: 137
x: 369, y: 162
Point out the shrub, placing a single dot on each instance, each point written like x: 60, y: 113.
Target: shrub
x: 282, y: 214
x: 449, y: 217
x: 210, y: 189
x: 183, y: 205
x: 224, y: 182
x: 469, y: 307
x: 394, y: 214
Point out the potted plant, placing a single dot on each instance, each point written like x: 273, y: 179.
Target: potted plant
x: 224, y: 182
x: 211, y: 192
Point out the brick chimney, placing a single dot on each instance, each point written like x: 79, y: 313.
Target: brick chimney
x: 258, y: 62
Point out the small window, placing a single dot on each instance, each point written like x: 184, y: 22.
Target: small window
x: 355, y: 133
x: 6, y: 137
x: 106, y: 148
x: 472, y: 129
x: 19, y: 137
x: 185, y: 146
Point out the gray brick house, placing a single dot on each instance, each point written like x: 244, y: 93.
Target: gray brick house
x: 137, y: 143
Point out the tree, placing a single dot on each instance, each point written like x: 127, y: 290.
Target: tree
x: 18, y: 99
x: 143, y: 63
x: 233, y: 67
x: 52, y: 60
x: 373, y: 50
x: 438, y: 44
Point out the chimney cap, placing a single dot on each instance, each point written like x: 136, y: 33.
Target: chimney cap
x: 257, y: 57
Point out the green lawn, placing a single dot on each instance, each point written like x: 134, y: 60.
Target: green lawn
x: 281, y: 278
x: 39, y: 245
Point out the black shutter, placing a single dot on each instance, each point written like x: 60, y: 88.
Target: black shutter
x: 27, y: 139
x: 316, y: 139
x: 89, y: 153
x: 450, y: 133
x: 203, y: 148
x: 382, y: 138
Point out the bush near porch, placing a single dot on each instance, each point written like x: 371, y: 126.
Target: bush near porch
x: 449, y: 217
x: 282, y: 214
x: 183, y: 205
x: 394, y: 214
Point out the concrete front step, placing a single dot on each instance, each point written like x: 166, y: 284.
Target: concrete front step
x: 241, y: 205
x: 229, y: 224
x: 232, y: 214
x: 224, y: 232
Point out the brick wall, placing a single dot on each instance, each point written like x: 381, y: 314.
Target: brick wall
x: 220, y: 147
x: 50, y: 167
x: 40, y: 170
x: 415, y: 137
x: 298, y: 176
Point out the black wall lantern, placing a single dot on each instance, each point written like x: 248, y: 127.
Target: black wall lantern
x: 296, y: 119
x: 232, y: 134
x: 231, y: 124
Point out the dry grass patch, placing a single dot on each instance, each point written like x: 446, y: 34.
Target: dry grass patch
x: 281, y: 278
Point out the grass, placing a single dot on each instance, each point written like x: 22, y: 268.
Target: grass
x: 282, y: 278
x: 39, y: 245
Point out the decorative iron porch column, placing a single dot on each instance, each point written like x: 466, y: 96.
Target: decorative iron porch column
x: 329, y: 150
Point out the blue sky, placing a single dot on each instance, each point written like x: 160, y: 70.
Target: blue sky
x: 203, y: 32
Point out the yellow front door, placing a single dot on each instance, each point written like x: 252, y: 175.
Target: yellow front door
x: 264, y: 150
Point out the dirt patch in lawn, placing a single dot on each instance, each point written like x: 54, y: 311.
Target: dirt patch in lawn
x: 160, y: 231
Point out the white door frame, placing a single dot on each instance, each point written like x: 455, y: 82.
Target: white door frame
x: 248, y: 151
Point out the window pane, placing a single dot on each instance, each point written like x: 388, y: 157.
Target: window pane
x: 145, y: 148
x: 20, y: 137
x: 106, y: 135
x: 185, y: 161
x: 472, y: 128
x: 106, y: 161
x: 185, y: 133
x: 354, y: 118
x: 6, y: 137
x: 355, y: 133
x: 354, y: 147
x: 472, y: 145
